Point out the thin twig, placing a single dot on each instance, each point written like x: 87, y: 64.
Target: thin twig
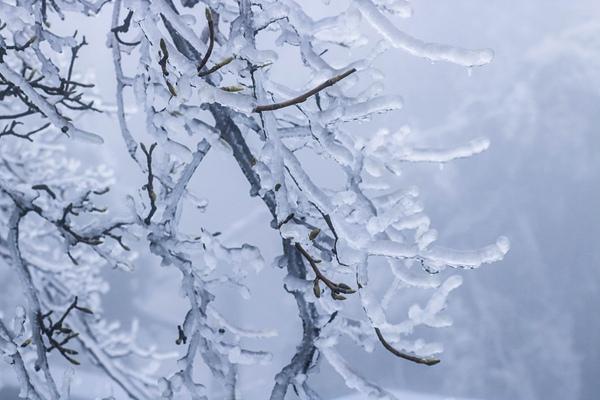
x: 216, y: 67
x: 419, y: 360
x: 211, y: 40
x: 163, y: 65
x: 45, y: 188
x: 164, y: 58
x: 336, y: 238
x: 150, y: 185
x: 305, y: 96
x: 123, y: 28
x: 337, y: 289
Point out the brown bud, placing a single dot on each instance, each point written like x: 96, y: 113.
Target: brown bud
x: 316, y: 288
x: 232, y: 89
x: 336, y: 296
x: 314, y: 233
x: 345, y: 288
x: 171, y: 89
x: 85, y: 310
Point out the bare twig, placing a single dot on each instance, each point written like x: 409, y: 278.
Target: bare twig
x: 216, y: 67
x: 45, y: 188
x: 22, y: 47
x: 181, y: 338
x: 416, y: 359
x: 9, y: 130
x: 329, y: 223
x: 211, y: 40
x: 149, y: 186
x: 164, y: 58
x: 163, y: 65
x: 53, y: 330
x: 123, y: 28
x: 305, y: 96
x: 337, y: 289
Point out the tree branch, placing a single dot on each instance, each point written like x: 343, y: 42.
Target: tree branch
x: 34, y: 309
x: 216, y: 67
x: 305, y: 352
x: 123, y: 28
x: 337, y: 289
x: 305, y: 96
x: 149, y: 186
x: 211, y: 40
x: 19, y: 367
x: 419, y: 360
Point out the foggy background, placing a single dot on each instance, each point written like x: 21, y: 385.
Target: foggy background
x: 526, y: 328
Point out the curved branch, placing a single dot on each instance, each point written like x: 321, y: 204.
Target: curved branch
x: 419, y: 360
x: 305, y: 96
x: 211, y: 40
x: 34, y: 309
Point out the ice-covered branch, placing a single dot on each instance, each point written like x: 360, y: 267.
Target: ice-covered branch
x: 419, y: 48
x: 49, y: 110
x: 302, y: 360
x: 34, y: 309
x: 9, y: 348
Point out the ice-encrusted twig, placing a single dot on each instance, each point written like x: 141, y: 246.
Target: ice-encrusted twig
x: 121, y: 84
x: 49, y: 110
x: 419, y: 48
x: 302, y: 360
x: 34, y: 309
x: 27, y: 388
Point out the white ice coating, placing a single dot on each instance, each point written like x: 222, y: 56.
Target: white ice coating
x: 470, y: 149
x: 417, y: 47
x: 49, y: 110
x: 468, y: 258
x: 238, y: 355
x: 402, y: 8
x: 430, y: 315
x: 352, y: 379
x: 361, y: 110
